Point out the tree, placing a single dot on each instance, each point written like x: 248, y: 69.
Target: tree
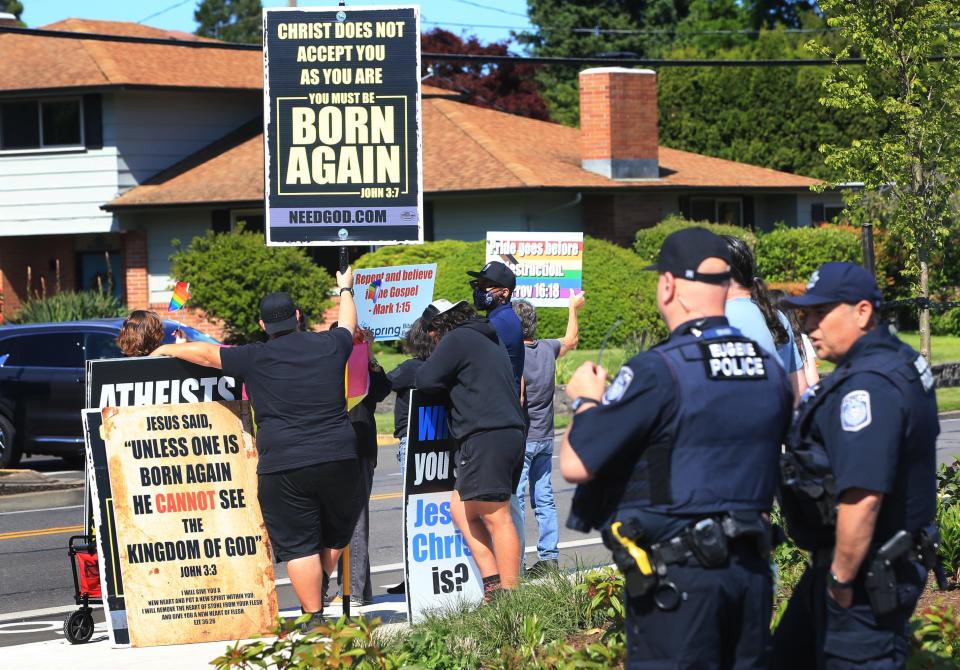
x: 230, y: 272
x: 14, y: 7
x: 561, y: 31
x: 508, y: 87
x: 915, y: 160
x: 230, y: 20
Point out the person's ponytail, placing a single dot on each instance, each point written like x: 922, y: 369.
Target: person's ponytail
x: 761, y: 298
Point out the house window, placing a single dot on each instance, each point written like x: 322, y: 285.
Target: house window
x: 252, y: 220
x: 820, y: 213
x: 717, y: 210
x: 41, y: 124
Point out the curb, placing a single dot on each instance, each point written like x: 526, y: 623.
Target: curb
x: 955, y: 414
x: 22, y: 502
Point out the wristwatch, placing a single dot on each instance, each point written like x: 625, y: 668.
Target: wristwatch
x: 580, y: 401
x: 834, y: 582
x: 344, y: 288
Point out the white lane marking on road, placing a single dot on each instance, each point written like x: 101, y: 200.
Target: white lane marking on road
x: 43, y: 509
x: 46, y: 611
x: 19, y: 627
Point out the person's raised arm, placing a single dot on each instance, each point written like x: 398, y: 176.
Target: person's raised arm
x: 201, y: 353
x: 572, y: 336
x: 347, y: 316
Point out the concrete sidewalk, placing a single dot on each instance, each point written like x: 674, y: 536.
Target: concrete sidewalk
x: 99, y: 654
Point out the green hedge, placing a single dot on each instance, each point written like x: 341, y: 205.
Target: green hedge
x: 792, y: 254
x: 614, y: 283
x: 649, y: 240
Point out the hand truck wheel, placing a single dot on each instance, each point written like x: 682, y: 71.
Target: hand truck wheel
x: 78, y: 627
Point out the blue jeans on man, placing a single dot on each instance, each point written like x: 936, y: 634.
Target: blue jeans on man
x: 537, y: 470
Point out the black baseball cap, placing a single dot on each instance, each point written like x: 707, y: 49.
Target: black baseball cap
x: 435, y: 309
x: 278, y: 313
x: 838, y: 282
x: 683, y: 252
x: 497, y: 273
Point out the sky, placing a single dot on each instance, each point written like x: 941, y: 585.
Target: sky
x: 490, y: 20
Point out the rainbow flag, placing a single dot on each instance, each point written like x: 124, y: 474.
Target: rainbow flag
x: 372, y: 290
x: 181, y: 293
x: 356, y: 379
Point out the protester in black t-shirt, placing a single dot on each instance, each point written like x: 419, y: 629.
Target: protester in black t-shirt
x: 472, y: 365
x: 310, y: 489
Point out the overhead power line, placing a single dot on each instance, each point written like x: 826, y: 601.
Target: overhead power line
x: 489, y: 8
x: 163, y: 11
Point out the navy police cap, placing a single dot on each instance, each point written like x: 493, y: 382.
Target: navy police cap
x: 838, y: 282
x: 683, y: 252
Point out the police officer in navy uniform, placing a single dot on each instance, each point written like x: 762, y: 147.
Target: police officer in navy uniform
x: 678, y: 464
x: 859, y: 484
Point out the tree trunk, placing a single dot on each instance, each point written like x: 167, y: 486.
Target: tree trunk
x: 925, y: 312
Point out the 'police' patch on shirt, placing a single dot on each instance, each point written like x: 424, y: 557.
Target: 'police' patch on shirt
x: 855, y: 411
x: 619, y: 386
x: 732, y: 359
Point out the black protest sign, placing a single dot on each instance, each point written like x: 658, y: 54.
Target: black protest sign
x: 440, y: 570
x: 121, y: 382
x: 342, y: 125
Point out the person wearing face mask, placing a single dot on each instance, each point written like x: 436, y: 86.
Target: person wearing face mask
x: 493, y: 288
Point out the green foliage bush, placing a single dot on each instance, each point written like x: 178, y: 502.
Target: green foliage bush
x: 945, y: 323
x: 524, y: 629
x: 615, y: 286
x: 70, y: 306
x: 936, y: 632
x: 792, y: 254
x: 229, y: 273
x: 649, y: 240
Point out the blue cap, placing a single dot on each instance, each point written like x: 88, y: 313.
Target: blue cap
x: 838, y: 282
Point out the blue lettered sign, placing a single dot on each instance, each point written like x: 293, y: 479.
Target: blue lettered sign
x: 439, y: 568
x: 390, y: 299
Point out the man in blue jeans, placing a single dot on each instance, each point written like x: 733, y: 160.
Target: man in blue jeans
x: 539, y: 383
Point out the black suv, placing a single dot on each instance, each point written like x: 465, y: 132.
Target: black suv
x: 42, y: 385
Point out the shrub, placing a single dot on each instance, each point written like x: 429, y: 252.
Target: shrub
x: 937, y: 633
x: 229, y: 273
x: 945, y: 323
x: 70, y: 306
x: 649, y: 240
x: 792, y: 254
x: 613, y: 277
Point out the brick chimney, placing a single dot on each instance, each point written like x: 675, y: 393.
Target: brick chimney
x: 618, y: 123
x: 8, y: 20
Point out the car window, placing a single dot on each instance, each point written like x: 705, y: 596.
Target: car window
x: 100, y: 345
x: 50, y: 350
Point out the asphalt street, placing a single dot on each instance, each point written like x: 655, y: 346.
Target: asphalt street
x: 35, y: 569
x: 36, y: 589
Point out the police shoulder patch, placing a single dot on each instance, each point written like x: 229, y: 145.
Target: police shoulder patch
x: 855, y: 414
x: 619, y: 386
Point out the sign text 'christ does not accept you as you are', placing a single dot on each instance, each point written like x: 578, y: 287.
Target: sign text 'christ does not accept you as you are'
x: 342, y: 125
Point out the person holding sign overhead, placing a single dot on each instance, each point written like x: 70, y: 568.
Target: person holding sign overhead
x: 310, y: 487
x: 471, y: 364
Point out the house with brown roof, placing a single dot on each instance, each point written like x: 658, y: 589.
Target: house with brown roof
x: 117, y: 138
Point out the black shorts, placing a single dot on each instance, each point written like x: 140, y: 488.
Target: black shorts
x: 311, y: 508
x: 489, y: 465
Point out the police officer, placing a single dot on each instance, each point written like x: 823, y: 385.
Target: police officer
x: 678, y: 464
x: 859, y: 484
